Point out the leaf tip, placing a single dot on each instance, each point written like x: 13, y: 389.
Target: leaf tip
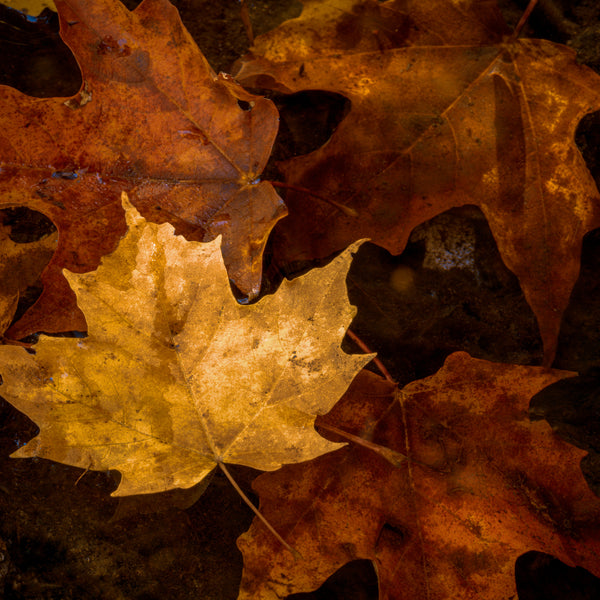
x: 352, y: 249
x: 132, y: 215
x: 356, y: 245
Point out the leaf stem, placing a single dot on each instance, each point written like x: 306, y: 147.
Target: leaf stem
x: 81, y: 476
x: 245, y: 16
x: 366, y: 349
x: 394, y: 458
x: 288, y: 186
x: 523, y: 20
x: 255, y: 510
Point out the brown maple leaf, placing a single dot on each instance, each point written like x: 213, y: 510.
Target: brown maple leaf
x: 483, y: 485
x: 151, y: 118
x: 175, y: 375
x: 447, y: 110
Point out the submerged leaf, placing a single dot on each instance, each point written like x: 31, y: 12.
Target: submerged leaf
x: 483, y: 485
x: 151, y: 118
x: 175, y: 375
x: 447, y: 110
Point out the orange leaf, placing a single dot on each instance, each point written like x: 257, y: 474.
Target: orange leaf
x: 20, y: 267
x: 484, y: 485
x: 153, y: 119
x: 447, y: 110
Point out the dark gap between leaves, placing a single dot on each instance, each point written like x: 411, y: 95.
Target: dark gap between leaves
x: 449, y: 290
x: 540, y: 575
x: 578, y: 346
x: 356, y: 580
x: 26, y: 226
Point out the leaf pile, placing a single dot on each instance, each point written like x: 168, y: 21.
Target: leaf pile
x: 442, y: 484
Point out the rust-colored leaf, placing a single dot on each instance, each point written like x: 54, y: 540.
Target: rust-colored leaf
x: 151, y: 118
x: 175, y: 376
x: 484, y: 485
x: 447, y: 110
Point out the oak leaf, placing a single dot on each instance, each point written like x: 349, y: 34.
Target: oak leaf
x: 151, y: 118
x: 175, y: 375
x: 446, y: 110
x: 484, y: 485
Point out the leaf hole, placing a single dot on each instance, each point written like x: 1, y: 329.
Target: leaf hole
x: 395, y: 534
x: 26, y: 225
x: 245, y: 106
x: 307, y: 120
x: 35, y: 60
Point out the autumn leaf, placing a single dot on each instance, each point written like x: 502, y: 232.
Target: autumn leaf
x: 175, y: 376
x: 484, y: 485
x: 446, y: 110
x: 151, y: 118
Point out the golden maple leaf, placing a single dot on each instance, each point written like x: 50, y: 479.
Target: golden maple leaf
x: 175, y: 376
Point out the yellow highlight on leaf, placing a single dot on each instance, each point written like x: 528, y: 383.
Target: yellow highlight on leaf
x: 30, y: 7
x: 176, y: 376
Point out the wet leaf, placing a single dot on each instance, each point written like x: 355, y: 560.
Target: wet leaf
x: 447, y: 110
x: 484, y: 485
x: 151, y: 118
x: 20, y: 267
x: 175, y: 375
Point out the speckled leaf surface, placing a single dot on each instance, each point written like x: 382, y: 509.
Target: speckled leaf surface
x: 175, y: 375
x: 151, y: 118
x: 484, y: 485
x: 446, y: 110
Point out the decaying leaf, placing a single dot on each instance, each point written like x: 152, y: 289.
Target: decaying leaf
x: 151, y: 118
x: 175, y: 375
x: 485, y: 484
x: 447, y: 110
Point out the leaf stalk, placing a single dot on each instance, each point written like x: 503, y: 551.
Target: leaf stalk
x: 517, y: 31
x: 238, y: 489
